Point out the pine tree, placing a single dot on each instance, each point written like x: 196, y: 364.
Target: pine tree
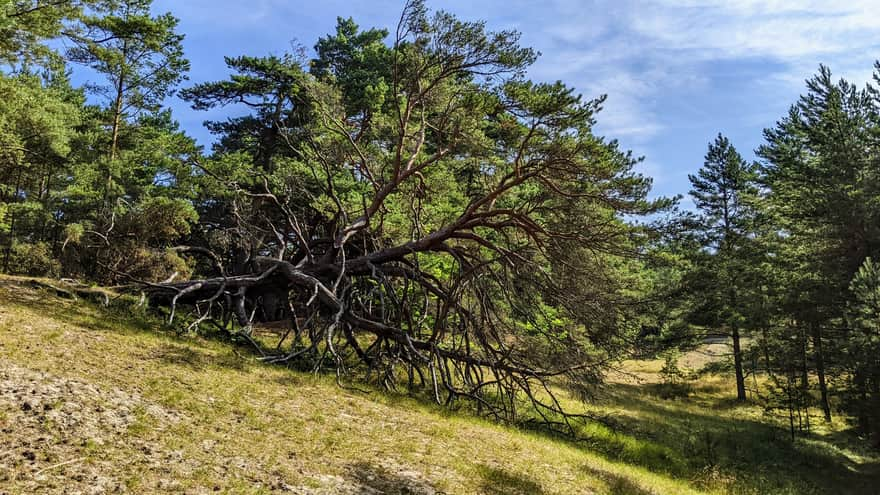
x: 38, y: 119
x: 820, y: 169
x: 724, y: 192
x: 275, y: 88
x: 863, y: 348
x: 26, y: 26
x: 140, y: 55
x: 360, y: 62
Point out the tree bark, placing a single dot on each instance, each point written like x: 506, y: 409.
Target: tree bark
x: 766, y: 348
x: 820, y: 371
x: 738, y: 366
x: 118, y: 102
x: 805, y: 376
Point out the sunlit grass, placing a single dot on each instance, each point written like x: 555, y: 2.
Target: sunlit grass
x: 245, y: 427
x: 239, y: 426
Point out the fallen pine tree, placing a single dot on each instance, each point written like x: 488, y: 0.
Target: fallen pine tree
x: 419, y: 211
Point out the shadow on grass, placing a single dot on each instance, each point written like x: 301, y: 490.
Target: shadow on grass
x: 754, y: 456
x: 371, y: 478
x: 672, y: 437
x: 124, y: 316
x: 497, y: 481
x: 616, y: 484
x: 181, y: 355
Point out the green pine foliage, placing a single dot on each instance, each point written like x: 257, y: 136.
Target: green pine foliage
x: 100, y: 183
x: 862, y: 348
x: 725, y: 192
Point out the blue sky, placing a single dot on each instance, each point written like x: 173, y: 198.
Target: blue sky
x: 676, y: 72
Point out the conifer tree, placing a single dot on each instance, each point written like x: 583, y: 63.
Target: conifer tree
x: 724, y: 191
x: 863, y: 349
x: 140, y: 55
x: 819, y: 167
x: 25, y: 26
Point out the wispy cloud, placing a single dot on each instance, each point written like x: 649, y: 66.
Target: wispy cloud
x: 638, y: 51
x: 782, y: 29
x: 675, y: 71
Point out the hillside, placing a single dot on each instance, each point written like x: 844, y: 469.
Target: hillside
x: 98, y: 401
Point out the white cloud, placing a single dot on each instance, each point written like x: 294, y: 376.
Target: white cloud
x: 780, y: 29
x: 639, y: 51
x: 636, y: 51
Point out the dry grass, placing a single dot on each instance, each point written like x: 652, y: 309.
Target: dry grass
x: 113, y: 404
x: 98, y: 401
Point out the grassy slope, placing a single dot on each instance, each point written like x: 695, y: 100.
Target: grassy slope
x: 98, y: 402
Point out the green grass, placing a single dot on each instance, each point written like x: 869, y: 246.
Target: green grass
x: 719, y: 444
x: 202, y: 416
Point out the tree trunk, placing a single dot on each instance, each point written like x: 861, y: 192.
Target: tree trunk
x: 805, y: 377
x: 790, y: 407
x: 118, y: 102
x: 820, y: 370
x: 45, y: 185
x: 766, y: 348
x: 738, y: 365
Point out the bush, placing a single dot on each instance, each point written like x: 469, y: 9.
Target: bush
x: 35, y: 260
x: 675, y: 380
x: 153, y: 265
x: 161, y: 220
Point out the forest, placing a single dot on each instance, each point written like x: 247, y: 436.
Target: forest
x: 407, y: 210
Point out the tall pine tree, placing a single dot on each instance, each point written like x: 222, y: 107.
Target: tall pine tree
x: 141, y: 56
x: 724, y: 192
